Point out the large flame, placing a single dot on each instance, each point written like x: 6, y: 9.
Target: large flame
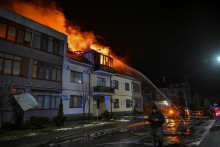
x: 53, y: 17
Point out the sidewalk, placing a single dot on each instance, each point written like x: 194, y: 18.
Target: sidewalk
x: 212, y: 139
x: 42, y: 140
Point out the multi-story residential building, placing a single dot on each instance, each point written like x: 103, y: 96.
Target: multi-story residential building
x: 176, y: 90
x: 86, y: 81
x: 105, y: 88
x: 33, y: 54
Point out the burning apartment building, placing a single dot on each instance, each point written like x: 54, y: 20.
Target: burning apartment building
x: 97, y: 86
x: 89, y: 81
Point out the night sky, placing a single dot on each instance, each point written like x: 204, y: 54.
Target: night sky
x: 159, y: 38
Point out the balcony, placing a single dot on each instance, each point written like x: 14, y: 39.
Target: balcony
x: 100, y: 90
x: 103, y: 65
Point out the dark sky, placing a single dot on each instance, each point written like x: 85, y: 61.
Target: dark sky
x: 158, y: 38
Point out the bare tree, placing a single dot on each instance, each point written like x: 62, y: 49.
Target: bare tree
x: 84, y: 93
x: 6, y: 86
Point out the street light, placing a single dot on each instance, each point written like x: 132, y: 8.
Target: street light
x: 218, y: 59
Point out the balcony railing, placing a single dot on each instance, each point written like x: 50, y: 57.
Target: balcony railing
x: 104, y: 68
x: 103, y: 89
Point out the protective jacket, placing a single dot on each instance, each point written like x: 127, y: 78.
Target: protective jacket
x: 217, y: 111
x: 159, y: 116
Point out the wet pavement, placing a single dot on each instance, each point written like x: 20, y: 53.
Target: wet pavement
x: 176, y: 133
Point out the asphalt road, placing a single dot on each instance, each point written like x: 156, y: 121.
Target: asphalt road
x: 176, y: 133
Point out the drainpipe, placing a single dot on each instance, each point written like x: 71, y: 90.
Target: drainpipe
x: 132, y: 98
x: 89, y: 89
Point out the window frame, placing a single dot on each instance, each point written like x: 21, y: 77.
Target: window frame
x: 116, y: 103
x: 127, y: 87
x: 54, y: 41
x: 78, y: 97
x: 46, y: 66
x: 17, y: 28
x: 78, y: 73
x: 22, y: 63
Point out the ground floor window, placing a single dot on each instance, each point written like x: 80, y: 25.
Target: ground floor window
x: 128, y: 103
x: 137, y: 102
x: 47, y: 100
x: 116, y: 103
x: 98, y: 103
x: 75, y: 101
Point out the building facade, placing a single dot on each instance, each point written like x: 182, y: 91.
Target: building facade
x: 32, y: 55
x: 36, y: 57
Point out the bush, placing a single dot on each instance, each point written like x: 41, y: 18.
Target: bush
x: 38, y: 122
x: 108, y: 115
x: 60, y: 118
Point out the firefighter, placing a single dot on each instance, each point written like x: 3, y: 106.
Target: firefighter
x: 182, y: 113
x: 156, y: 120
x: 210, y: 111
x: 217, y: 114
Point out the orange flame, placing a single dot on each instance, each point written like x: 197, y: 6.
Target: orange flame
x: 55, y: 19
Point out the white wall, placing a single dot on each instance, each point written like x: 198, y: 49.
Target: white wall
x: 122, y: 94
x: 70, y: 88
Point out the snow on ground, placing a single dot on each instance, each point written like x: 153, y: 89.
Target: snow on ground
x: 124, y: 120
x: 84, y: 126
x: 63, y: 129
x: 30, y: 134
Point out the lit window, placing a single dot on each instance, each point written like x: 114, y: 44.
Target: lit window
x: 27, y: 37
x: 8, y: 65
x: 3, y: 27
x: 11, y: 33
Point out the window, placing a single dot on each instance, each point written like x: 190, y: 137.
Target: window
x: 27, y: 37
x: 115, y: 84
x: 46, y: 71
x: 98, y: 103
x: 127, y: 86
x: 48, y: 44
x: 137, y: 87
x: 3, y: 28
x: 105, y: 60
x: 76, y: 77
x: 15, y: 32
x: 47, y: 100
x: 20, y: 36
x: 137, y: 102
x: 37, y: 41
x: 75, y: 101
x: 101, y: 82
x: 14, y: 65
x: 128, y: 103
x: 11, y: 33
x: 116, y: 103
